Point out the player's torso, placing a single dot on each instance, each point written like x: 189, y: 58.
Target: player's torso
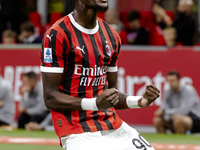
x: 87, y: 57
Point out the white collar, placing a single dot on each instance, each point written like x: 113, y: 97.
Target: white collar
x: 82, y: 29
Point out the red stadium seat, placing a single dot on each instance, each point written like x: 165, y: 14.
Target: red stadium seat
x: 35, y: 18
x: 54, y: 17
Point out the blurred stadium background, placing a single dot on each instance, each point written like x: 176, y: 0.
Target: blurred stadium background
x: 134, y: 64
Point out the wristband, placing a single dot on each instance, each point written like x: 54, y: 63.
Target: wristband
x: 132, y: 101
x: 89, y: 104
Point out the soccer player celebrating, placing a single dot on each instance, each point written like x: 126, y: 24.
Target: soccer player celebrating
x: 79, y: 72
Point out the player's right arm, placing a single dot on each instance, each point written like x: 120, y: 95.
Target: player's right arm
x: 52, y: 67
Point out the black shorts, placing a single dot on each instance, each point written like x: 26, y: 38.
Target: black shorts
x: 196, y: 123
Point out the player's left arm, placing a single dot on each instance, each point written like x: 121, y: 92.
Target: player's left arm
x: 126, y: 102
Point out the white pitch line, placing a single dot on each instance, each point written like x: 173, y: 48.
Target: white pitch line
x: 46, y: 141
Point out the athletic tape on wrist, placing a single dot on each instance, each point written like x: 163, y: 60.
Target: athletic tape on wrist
x: 132, y: 101
x: 89, y: 104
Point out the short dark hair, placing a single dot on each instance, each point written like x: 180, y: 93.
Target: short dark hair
x: 133, y: 15
x: 175, y: 73
x: 27, y: 26
x: 31, y: 75
x: 69, y: 6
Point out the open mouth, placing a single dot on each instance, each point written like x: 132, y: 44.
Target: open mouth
x: 104, y: 1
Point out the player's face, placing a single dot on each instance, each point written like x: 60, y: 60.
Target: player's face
x: 173, y: 82
x: 100, y: 5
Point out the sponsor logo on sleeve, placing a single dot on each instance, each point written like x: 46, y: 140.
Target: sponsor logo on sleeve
x: 48, y: 55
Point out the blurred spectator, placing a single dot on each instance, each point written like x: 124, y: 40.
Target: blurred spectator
x: 28, y: 34
x: 9, y: 15
x: 9, y: 37
x: 46, y: 124
x: 7, y: 108
x: 137, y: 35
x: 170, y: 35
x: 111, y: 16
x: 184, y: 23
x: 32, y: 106
x: 180, y: 111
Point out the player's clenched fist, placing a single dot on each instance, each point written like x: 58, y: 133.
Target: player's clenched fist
x: 109, y: 98
x: 150, y: 95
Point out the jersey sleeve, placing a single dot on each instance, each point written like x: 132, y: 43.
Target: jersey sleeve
x: 53, y: 52
x: 113, y: 67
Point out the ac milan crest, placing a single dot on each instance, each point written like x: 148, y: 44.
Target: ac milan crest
x: 108, y: 49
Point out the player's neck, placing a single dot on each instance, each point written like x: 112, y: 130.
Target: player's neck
x: 86, y: 17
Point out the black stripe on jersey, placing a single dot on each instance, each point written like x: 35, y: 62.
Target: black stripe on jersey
x: 82, y: 89
x: 52, y: 44
x: 106, y: 59
x: 109, y: 124
x: 70, y: 66
x: 111, y: 36
x: 96, y: 122
x: 113, y: 113
x: 105, y: 87
x: 119, y: 47
x: 68, y: 115
x: 103, y: 40
x: 64, y: 51
x: 82, y: 121
x: 43, y: 50
x: 97, y: 57
x: 95, y: 88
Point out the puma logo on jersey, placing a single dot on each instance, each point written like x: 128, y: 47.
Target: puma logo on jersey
x: 50, y: 36
x: 81, y: 49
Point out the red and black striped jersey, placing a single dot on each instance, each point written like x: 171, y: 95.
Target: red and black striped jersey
x: 83, y: 56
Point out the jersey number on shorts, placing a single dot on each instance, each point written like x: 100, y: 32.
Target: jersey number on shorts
x: 141, y: 143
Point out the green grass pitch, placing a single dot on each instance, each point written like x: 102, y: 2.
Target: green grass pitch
x: 152, y: 138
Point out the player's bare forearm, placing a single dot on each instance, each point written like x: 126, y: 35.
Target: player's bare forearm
x: 112, y: 80
x: 61, y: 102
x: 54, y: 99
x: 122, y: 101
x: 150, y: 95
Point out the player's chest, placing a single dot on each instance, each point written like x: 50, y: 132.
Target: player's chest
x: 91, y: 50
